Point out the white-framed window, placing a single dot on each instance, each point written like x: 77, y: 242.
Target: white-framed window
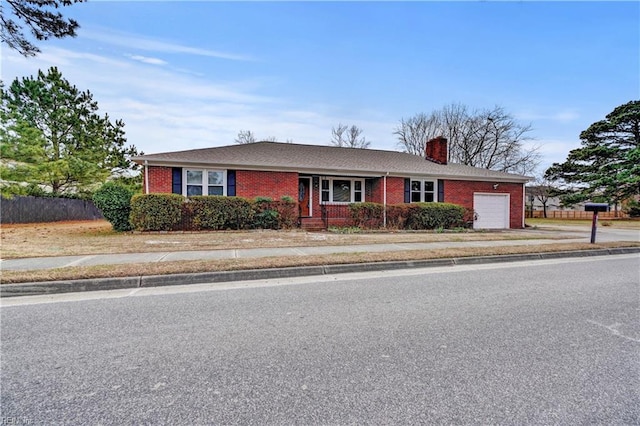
x: 341, y: 190
x: 423, y: 191
x: 204, y: 182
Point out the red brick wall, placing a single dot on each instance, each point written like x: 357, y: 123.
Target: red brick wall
x: 436, y: 150
x: 251, y: 184
x: 315, y: 201
x: 159, y: 179
x: 461, y: 192
x: 395, y: 191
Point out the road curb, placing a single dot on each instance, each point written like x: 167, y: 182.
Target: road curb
x: 96, y: 284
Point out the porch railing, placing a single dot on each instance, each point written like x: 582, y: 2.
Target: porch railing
x: 335, y: 215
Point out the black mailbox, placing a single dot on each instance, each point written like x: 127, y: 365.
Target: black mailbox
x: 596, y: 207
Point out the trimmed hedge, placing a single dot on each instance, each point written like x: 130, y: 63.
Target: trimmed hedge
x: 367, y: 215
x: 114, y: 201
x: 165, y: 212
x: 434, y: 216
x: 408, y: 216
x: 156, y: 212
x: 397, y: 215
x: 219, y: 212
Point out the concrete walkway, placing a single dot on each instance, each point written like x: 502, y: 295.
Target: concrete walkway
x: 571, y: 234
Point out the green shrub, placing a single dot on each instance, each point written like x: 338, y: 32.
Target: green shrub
x: 114, y: 201
x: 204, y: 212
x: 265, y: 217
x: 632, y: 208
x: 156, y: 212
x: 434, y: 215
x: 279, y: 214
x: 218, y: 212
x: 367, y: 215
x: 397, y: 215
x: 468, y: 217
x: 238, y: 213
x: 288, y: 212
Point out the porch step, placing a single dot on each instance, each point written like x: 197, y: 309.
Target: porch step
x: 312, y: 224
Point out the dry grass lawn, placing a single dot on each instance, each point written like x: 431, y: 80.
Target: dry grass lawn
x: 96, y: 237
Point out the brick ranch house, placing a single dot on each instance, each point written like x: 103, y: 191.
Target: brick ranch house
x: 325, y: 179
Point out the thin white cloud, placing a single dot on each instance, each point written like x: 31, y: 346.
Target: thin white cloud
x: 119, y: 77
x: 147, y: 60
x: 135, y: 41
x: 166, y: 109
x: 563, y: 116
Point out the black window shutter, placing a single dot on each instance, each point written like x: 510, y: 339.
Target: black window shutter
x: 368, y: 188
x: 231, y: 183
x: 440, y: 191
x: 407, y: 190
x: 176, y: 180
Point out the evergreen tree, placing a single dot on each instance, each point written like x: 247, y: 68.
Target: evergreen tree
x: 40, y: 17
x: 53, y: 136
x: 607, y: 166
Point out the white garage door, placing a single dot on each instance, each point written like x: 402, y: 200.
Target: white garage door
x: 492, y: 211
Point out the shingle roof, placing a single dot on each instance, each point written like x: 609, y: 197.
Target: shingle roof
x: 321, y: 159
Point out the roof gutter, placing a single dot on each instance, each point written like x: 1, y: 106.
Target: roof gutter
x: 332, y: 172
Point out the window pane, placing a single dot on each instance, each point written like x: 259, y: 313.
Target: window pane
x: 194, y: 177
x: 325, y: 184
x: 194, y: 190
x: 415, y: 185
x: 215, y: 178
x: 428, y: 197
x: 357, y: 185
x: 428, y: 187
x: 415, y: 197
x: 325, y: 195
x: 342, y: 191
x: 357, y: 197
x: 215, y: 190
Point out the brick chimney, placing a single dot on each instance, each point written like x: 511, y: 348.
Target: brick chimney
x: 436, y: 150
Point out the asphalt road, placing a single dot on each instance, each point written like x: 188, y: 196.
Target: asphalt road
x: 545, y: 342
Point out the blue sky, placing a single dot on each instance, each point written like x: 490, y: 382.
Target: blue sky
x: 185, y: 75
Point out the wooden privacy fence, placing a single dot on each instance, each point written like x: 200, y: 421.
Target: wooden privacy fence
x: 574, y: 214
x: 44, y: 209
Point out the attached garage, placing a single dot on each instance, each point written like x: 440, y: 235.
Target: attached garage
x: 492, y: 211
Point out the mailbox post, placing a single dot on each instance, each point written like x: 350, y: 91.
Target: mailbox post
x: 595, y: 208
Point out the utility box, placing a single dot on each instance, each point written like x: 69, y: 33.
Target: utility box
x: 596, y: 207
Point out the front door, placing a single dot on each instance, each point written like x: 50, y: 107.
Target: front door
x: 304, y: 196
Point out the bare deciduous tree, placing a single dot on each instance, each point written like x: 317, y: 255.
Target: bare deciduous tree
x: 415, y: 131
x: 349, y: 137
x: 543, y: 190
x: 490, y: 139
x: 245, y: 136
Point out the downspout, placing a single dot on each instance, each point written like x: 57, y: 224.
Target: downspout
x: 524, y: 206
x: 146, y: 176
x: 384, y: 200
